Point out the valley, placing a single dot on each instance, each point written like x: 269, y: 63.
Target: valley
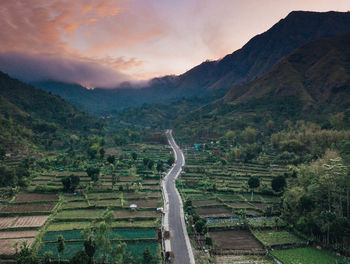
x: 239, y: 160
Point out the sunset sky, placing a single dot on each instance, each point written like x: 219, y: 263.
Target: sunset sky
x: 103, y: 42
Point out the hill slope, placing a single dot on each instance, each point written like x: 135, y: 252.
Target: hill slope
x: 317, y: 74
x: 32, y: 117
x: 215, y: 78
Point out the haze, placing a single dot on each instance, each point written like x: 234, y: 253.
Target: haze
x: 104, y: 42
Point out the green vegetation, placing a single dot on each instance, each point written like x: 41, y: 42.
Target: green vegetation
x: 306, y: 256
x: 277, y: 237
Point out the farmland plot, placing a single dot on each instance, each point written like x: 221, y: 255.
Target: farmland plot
x: 18, y: 234
x: 30, y: 221
x: 31, y: 197
x: 6, y: 222
x: 6, y: 245
x: 27, y: 208
x: 306, y: 256
x: 235, y: 240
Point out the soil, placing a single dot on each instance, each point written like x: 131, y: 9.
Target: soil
x: 214, y: 212
x: 6, y: 245
x: 235, y: 239
x: 29, y: 197
x: 151, y: 203
x: 18, y: 234
x: 129, y: 213
x: 30, y: 221
x: 6, y: 222
x: 26, y: 208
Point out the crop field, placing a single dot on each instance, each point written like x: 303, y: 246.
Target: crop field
x: 134, y: 248
x: 244, y: 259
x: 81, y: 213
x: 306, y: 255
x: 28, y: 208
x: 214, y: 212
x: 149, y: 203
x: 6, y: 245
x: 30, y: 221
x: 6, y: 222
x: 234, y: 240
x: 115, y: 234
x: 18, y: 234
x: 127, y: 213
x: 34, y: 197
x: 274, y: 237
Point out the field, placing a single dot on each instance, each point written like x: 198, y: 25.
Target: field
x: 115, y: 234
x: 28, y: 208
x: 136, y: 249
x: 305, y: 256
x: 273, y: 237
x: 236, y: 259
x: 6, y: 245
x: 234, y: 240
x: 34, y: 197
x: 214, y: 212
x: 30, y: 221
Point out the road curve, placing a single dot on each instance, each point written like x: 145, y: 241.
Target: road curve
x: 174, y: 215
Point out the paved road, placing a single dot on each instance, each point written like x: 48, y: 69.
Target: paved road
x: 179, y: 241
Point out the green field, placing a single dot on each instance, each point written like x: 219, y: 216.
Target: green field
x: 121, y: 233
x: 136, y: 249
x: 305, y: 256
x: 273, y: 237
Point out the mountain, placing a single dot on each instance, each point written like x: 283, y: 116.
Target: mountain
x: 32, y: 118
x: 318, y: 74
x: 312, y: 83
x: 215, y: 78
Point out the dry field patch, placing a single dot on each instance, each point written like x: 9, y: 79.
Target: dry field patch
x: 151, y: 203
x: 30, y: 221
x: 6, y: 245
x: 6, y: 222
x: 234, y: 239
x: 26, y: 208
x: 214, y: 212
x: 18, y: 234
x: 31, y: 197
x: 131, y: 214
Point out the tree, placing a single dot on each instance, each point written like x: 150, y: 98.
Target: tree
x: 114, y: 179
x: 278, y: 183
x: 26, y: 255
x: 66, y: 183
x: 134, y: 155
x: 102, y: 153
x: 70, y: 183
x: 80, y: 258
x: 92, y: 153
x: 150, y: 164
x: 253, y: 182
x: 60, y: 246
x: 160, y: 167
x: 93, y: 173
x: 201, y: 226
x: 90, y: 248
x: 171, y: 160
x: 111, y: 159
x: 145, y: 161
x: 75, y: 180
x: 147, y: 256
x: 249, y: 135
x: 47, y: 258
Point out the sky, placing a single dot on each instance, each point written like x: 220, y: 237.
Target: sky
x: 100, y: 43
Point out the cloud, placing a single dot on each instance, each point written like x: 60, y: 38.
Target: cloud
x: 31, y: 68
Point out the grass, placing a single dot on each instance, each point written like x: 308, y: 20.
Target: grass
x: 306, y: 255
x: 273, y: 237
